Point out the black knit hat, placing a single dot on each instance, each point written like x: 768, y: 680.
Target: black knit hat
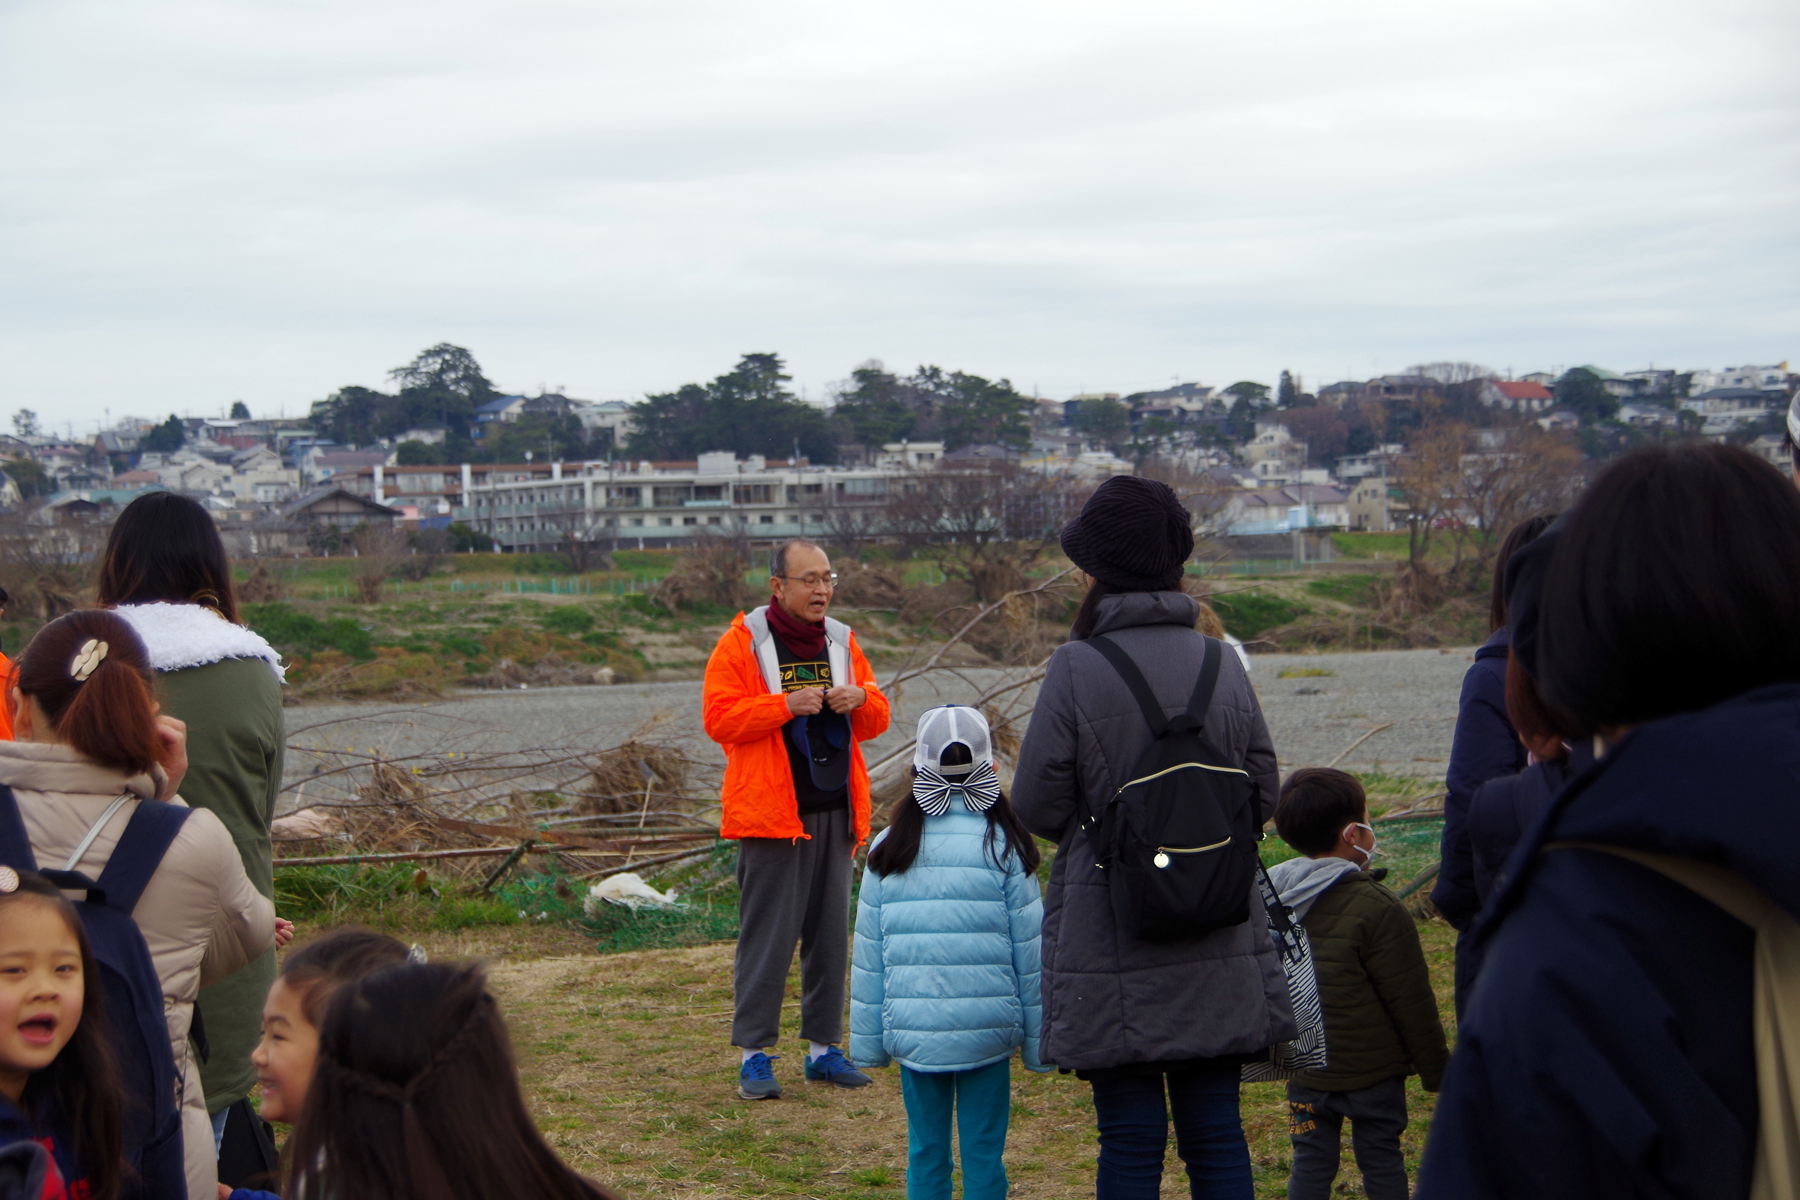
x: 1132, y: 535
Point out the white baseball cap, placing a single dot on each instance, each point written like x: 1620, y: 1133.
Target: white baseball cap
x: 950, y: 725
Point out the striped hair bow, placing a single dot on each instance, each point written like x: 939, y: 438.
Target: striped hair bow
x: 978, y: 791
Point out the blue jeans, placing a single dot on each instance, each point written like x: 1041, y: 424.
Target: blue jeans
x: 1209, y: 1136
x: 982, y: 1101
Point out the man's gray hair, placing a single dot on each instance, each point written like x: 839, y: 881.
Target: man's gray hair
x: 779, y: 555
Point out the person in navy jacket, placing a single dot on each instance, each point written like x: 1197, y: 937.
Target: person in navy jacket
x: 1485, y: 746
x: 1608, y: 1050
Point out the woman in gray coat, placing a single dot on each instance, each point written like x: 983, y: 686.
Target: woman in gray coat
x: 1132, y: 1017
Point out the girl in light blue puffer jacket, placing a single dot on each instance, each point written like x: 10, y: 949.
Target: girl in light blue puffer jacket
x: 945, y: 973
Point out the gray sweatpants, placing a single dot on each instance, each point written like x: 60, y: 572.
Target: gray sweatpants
x: 788, y: 893
x: 1377, y: 1116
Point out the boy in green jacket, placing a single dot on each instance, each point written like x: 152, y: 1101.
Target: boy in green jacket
x: 1381, y: 1016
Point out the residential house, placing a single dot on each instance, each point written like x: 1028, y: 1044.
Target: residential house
x: 258, y: 474
x: 1273, y: 454
x: 1724, y: 409
x: 1775, y: 449
x: 501, y: 409
x: 320, y: 464
x: 1764, y: 379
x: 614, y: 416
x: 910, y: 456
x: 1560, y: 421
x: 1280, y: 510
x: 1614, y: 383
x: 1351, y: 468
x: 1541, y: 378
x: 1517, y: 395
x: 334, y: 505
x: 1375, y: 506
x: 1648, y: 416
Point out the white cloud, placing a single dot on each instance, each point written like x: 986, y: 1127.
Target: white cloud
x: 205, y: 200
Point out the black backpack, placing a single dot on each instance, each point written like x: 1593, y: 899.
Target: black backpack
x: 1178, y: 842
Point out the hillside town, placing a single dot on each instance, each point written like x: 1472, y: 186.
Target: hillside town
x: 1269, y: 461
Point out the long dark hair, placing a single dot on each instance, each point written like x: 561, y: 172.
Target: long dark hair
x: 1089, y: 612
x: 1520, y: 536
x: 109, y: 716
x: 416, y: 1097
x: 79, y: 1090
x: 164, y: 546
x: 906, y: 825
x: 1676, y: 585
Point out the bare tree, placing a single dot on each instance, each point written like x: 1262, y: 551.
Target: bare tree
x: 993, y: 519
x: 378, y: 553
x: 1466, y: 488
x: 575, y: 543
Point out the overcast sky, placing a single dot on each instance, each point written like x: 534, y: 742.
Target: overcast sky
x: 205, y: 200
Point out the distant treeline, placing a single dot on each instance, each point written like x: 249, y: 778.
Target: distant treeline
x: 747, y: 410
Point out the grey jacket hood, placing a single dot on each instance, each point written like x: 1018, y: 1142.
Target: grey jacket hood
x: 1125, y: 610
x: 1300, y: 881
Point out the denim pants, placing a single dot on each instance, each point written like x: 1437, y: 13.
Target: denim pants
x: 982, y: 1101
x: 1134, y: 1133
x: 1377, y: 1117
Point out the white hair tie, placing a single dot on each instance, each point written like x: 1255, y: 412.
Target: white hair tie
x: 91, y: 655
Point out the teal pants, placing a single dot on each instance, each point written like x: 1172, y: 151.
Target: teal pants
x: 982, y: 1102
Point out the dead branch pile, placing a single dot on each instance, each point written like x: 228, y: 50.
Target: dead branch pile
x: 635, y: 777
x: 262, y: 587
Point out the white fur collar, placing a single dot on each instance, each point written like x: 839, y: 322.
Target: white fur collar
x: 191, y: 635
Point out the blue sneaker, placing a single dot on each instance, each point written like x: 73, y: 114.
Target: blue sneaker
x: 756, y: 1078
x: 832, y: 1067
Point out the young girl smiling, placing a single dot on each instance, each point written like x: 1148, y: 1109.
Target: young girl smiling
x: 58, y: 1084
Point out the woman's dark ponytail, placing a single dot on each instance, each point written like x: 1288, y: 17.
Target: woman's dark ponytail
x: 90, y: 674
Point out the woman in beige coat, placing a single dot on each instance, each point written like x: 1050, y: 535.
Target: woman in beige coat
x: 89, y: 751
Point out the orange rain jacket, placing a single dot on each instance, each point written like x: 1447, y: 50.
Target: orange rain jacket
x: 745, y: 715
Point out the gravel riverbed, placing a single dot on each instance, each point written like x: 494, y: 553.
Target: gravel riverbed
x: 1325, y: 702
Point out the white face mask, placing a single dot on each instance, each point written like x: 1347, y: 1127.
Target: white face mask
x: 1374, y: 843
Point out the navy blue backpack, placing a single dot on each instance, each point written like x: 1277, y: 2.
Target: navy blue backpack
x: 151, y: 1112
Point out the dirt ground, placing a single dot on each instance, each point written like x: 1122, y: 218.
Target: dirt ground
x: 627, y: 1061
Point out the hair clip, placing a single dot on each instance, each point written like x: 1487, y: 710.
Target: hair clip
x: 416, y: 954
x: 91, y: 655
x: 9, y: 880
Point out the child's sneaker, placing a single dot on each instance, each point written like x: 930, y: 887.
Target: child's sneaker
x: 756, y: 1078
x: 833, y: 1067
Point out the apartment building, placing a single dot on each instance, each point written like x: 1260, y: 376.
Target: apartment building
x: 654, y: 505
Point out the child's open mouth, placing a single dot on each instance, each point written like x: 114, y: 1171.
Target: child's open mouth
x: 38, y: 1031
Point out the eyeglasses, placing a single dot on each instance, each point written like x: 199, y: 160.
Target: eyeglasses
x: 812, y: 582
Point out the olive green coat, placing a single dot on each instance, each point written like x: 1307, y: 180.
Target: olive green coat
x: 1381, y: 1016
x: 235, y: 739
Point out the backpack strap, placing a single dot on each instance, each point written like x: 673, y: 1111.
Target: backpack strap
x: 1195, y: 717
x: 1134, y: 679
x: 147, y: 837
x: 15, y: 843
x: 1204, y: 687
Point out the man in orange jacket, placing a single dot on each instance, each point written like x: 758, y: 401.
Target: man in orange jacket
x: 790, y: 696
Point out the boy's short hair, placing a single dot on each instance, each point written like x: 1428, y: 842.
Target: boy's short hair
x: 1316, y: 803
x: 325, y: 964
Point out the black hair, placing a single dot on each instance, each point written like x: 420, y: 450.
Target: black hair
x: 779, y: 555
x: 81, y: 1087
x: 1083, y: 627
x: 1316, y: 804
x: 417, y: 1097
x: 318, y: 969
x: 5, y: 597
x: 1520, y: 536
x: 906, y: 825
x: 1676, y: 585
x: 164, y: 546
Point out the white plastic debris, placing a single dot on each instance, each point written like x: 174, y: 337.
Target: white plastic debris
x: 626, y: 889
